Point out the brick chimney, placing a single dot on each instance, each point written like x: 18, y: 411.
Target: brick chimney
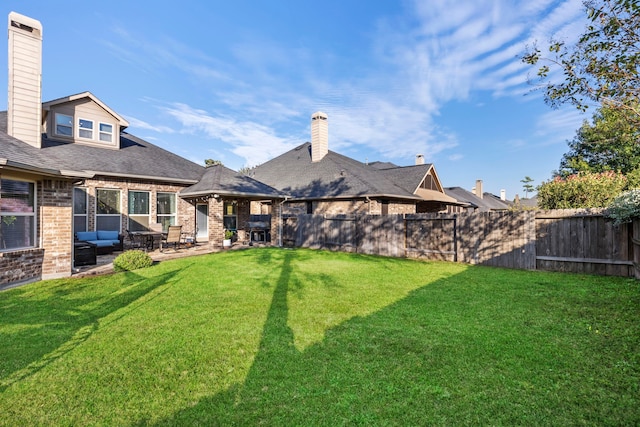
x: 24, y: 106
x: 319, y: 136
x: 419, y: 159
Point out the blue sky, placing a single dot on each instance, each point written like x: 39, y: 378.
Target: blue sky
x: 238, y: 80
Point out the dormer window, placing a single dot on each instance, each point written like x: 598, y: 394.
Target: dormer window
x: 64, y: 125
x: 85, y: 129
x: 106, y: 132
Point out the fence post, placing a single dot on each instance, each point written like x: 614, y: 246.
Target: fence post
x: 635, y: 238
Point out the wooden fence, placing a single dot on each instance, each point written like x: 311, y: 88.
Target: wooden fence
x: 580, y: 241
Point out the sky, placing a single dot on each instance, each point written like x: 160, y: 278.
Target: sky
x: 238, y: 81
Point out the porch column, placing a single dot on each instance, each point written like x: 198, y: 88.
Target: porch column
x: 216, y: 223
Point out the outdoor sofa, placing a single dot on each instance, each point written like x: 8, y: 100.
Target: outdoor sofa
x: 105, y: 241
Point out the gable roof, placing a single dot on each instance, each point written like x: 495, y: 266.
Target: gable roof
x: 334, y: 177
x: 223, y: 181
x: 136, y: 158
x: 47, y: 105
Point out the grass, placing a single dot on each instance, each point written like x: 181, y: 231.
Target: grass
x: 301, y: 337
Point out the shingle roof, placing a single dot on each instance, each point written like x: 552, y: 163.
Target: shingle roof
x: 221, y: 180
x: 487, y: 203
x: 335, y: 176
x: 136, y: 158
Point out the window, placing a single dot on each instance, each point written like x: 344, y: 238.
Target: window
x: 17, y: 214
x: 138, y: 210
x: 166, y: 208
x: 85, y: 129
x: 106, y: 132
x: 107, y: 209
x: 79, y: 209
x: 230, y: 218
x: 64, y: 125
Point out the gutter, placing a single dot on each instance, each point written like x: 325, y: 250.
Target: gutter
x: 147, y: 177
x: 44, y: 171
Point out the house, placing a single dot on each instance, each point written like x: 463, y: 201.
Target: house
x: 476, y: 200
x: 320, y: 181
x: 69, y: 165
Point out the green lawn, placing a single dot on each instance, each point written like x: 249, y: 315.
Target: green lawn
x: 300, y: 337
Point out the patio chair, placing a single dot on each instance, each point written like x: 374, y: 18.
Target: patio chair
x: 172, y: 238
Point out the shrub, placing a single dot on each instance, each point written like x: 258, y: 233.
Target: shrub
x: 582, y: 190
x: 132, y: 260
x: 625, y: 207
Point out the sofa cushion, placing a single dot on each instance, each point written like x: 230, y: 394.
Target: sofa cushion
x: 101, y: 243
x: 87, y: 235
x: 107, y: 235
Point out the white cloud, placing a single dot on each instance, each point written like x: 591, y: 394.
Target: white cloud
x: 558, y: 126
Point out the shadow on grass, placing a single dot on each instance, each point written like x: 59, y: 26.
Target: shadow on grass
x: 45, y: 329
x: 437, y: 356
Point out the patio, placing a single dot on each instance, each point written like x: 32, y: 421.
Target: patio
x: 104, y: 263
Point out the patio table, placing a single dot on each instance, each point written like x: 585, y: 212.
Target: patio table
x: 148, y: 238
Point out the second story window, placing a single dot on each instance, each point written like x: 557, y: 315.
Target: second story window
x: 106, y: 132
x: 85, y: 129
x: 64, y: 125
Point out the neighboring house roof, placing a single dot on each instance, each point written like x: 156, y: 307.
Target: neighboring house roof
x: 136, y: 158
x: 223, y: 181
x: 334, y: 177
x: 488, y: 202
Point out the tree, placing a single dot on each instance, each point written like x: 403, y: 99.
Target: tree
x: 582, y: 190
x: 527, y: 186
x: 611, y: 142
x: 603, y: 66
x: 212, y: 162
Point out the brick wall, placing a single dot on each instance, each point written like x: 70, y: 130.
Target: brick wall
x: 185, y: 211
x: 349, y: 207
x: 21, y: 266
x: 55, y: 227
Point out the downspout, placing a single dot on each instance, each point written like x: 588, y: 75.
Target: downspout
x: 369, y: 203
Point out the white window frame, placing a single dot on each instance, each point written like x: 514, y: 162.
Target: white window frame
x: 119, y: 208
x: 34, y: 238
x: 102, y: 132
x: 85, y: 129
x: 55, y: 125
x: 134, y: 216
x: 173, y: 216
x: 86, y: 205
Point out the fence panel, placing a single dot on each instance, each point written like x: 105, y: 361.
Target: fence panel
x: 578, y: 241
x: 431, y: 237
x: 582, y: 241
x: 381, y: 235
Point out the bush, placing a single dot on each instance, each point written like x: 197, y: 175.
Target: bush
x: 132, y: 260
x: 583, y: 190
x: 625, y: 207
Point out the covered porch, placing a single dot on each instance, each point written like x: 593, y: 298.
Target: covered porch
x: 229, y: 204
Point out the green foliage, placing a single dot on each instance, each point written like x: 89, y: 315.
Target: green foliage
x: 228, y: 234
x: 212, y: 162
x: 610, y: 143
x: 603, y: 66
x: 582, y: 190
x: 625, y: 207
x: 132, y: 260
